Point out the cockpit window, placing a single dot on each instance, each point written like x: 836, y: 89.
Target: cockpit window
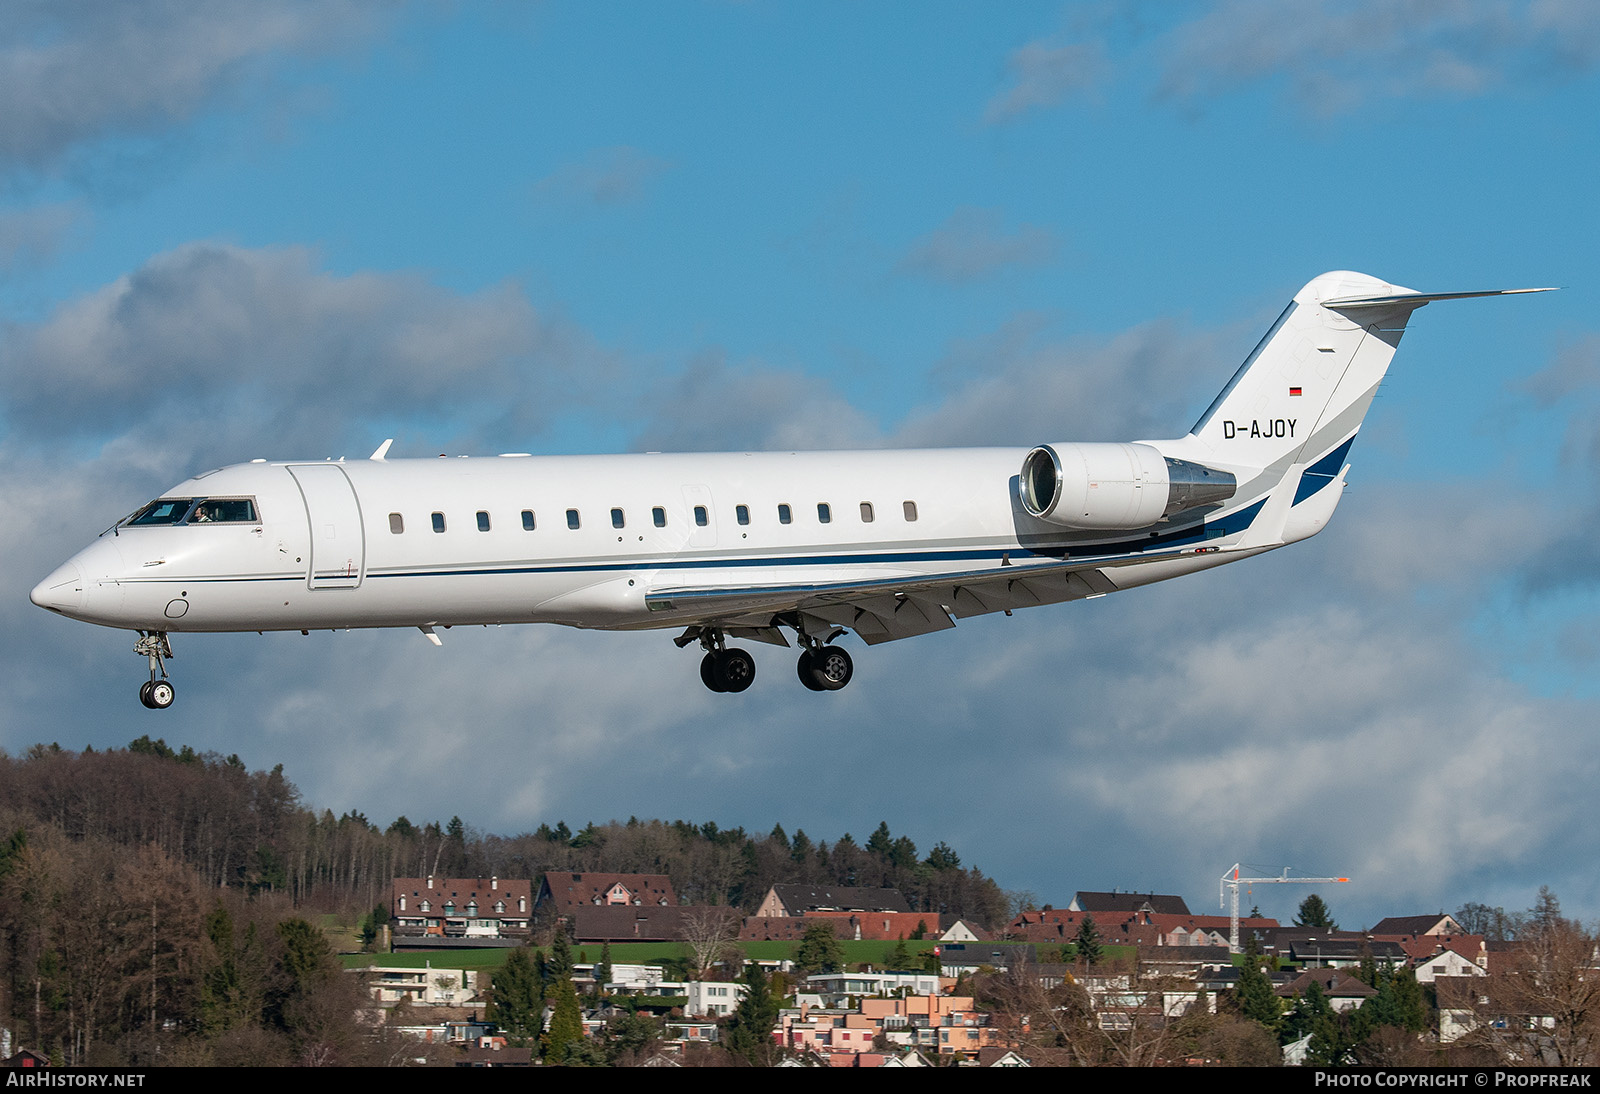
x: 163, y: 511
x: 196, y: 511
x: 223, y: 511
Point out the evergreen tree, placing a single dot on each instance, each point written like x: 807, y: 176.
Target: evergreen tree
x: 566, y: 1023
x: 1314, y: 913
x: 1256, y: 999
x: 559, y: 966
x: 1088, y: 942
x: 819, y: 950
x: 516, y: 999
x: 750, y: 1028
x: 900, y: 958
x: 602, y: 970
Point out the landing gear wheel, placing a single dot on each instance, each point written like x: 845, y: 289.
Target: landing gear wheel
x: 160, y: 694
x: 831, y: 668
x: 144, y: 693
x: 708, y: 672
x: 806, y: 671
x: 734, y: 670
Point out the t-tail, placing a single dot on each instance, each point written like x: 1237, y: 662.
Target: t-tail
x: 1285, y: 422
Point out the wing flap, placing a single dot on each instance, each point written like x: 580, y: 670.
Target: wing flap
x: 886, y: 609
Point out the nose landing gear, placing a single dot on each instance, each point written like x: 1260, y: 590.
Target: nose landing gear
x: 158, y: 693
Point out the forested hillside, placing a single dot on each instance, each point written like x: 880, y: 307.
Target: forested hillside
x: 157, y: 901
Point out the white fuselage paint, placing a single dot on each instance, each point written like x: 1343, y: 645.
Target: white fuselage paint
x: 323, y: 554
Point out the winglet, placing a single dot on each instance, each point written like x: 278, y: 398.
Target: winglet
x: 383, y: 451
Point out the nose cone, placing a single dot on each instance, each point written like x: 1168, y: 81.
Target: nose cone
x: 62, y: 591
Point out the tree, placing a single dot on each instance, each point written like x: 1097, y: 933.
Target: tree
x: 516, y: 999
x: 709, y: 933
x: 1257, y: 1001
x: 750, y: 1028
x: 1314, y: 913
x: 819, y: 949
x: 1088, y: 942
x: 1543, y: 1006
x: 566, y: 1023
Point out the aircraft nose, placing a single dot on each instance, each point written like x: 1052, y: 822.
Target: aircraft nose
x: 62, y: 591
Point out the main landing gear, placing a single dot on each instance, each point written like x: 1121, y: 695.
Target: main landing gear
x: 821, y: 667
x: 158, y: 693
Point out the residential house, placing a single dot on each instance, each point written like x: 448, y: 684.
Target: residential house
x: 444, y: 907
x: 799, y: 900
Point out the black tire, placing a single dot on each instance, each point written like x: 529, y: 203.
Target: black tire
x: 144, y: 694
x: 708, y: 672
x: 832, y: 668
x: 161, y: 694
x: 807, y: 673
x: 735, y: 670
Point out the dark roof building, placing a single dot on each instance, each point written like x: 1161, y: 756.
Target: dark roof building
x: 784, y: 900
x: 1158, y: 903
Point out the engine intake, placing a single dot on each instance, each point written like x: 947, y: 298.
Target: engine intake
x: 1115, y: 486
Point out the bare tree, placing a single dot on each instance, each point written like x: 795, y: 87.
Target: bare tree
x: 710, y: 934
x: 1543, y: 1006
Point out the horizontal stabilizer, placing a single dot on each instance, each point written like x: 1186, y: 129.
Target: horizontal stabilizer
x: 1350, y: 303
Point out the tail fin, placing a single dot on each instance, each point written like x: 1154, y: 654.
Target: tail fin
x: 1291, y: 412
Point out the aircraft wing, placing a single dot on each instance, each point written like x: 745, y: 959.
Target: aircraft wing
x: 884, y: 609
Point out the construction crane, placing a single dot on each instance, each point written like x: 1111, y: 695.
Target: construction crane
x: 1232, y: 880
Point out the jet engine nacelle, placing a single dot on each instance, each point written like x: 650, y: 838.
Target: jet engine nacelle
x: 1110, y: 486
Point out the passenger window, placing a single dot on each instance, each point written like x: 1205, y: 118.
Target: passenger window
x: 824, y: 513
x: 743, y: 513
x: 527, y: 520
x: 866, y: 512
x: 616, y: 518
x: 911, y: 510
x: 483, y: 521
x: 784, y: 515
x: 659, y: 515
x: 701, y: 517
x: 397, y: 523
x: 438, y: 522
x: 572, y: 519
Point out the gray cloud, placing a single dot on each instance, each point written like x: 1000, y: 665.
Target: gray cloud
x: 973, y: 244
x: 1012, y: 387
x: 605, y: 176
x: 712, y: 407
x: 77, y: 72
x: 1043, y: 75
x: 1337, y: 56
x: 263, y: 347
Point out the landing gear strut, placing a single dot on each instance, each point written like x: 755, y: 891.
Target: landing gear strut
x: 724, y: 668
x: 158, y: 693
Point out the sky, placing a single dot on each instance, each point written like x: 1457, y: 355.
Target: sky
x: 292, y: 230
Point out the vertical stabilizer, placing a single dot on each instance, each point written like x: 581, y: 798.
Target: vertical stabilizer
x: 1308, y: 383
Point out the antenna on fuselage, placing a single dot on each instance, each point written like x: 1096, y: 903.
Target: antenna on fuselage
x: 383, y: 451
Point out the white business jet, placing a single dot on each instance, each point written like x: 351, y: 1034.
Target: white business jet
x: 887, y: 544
